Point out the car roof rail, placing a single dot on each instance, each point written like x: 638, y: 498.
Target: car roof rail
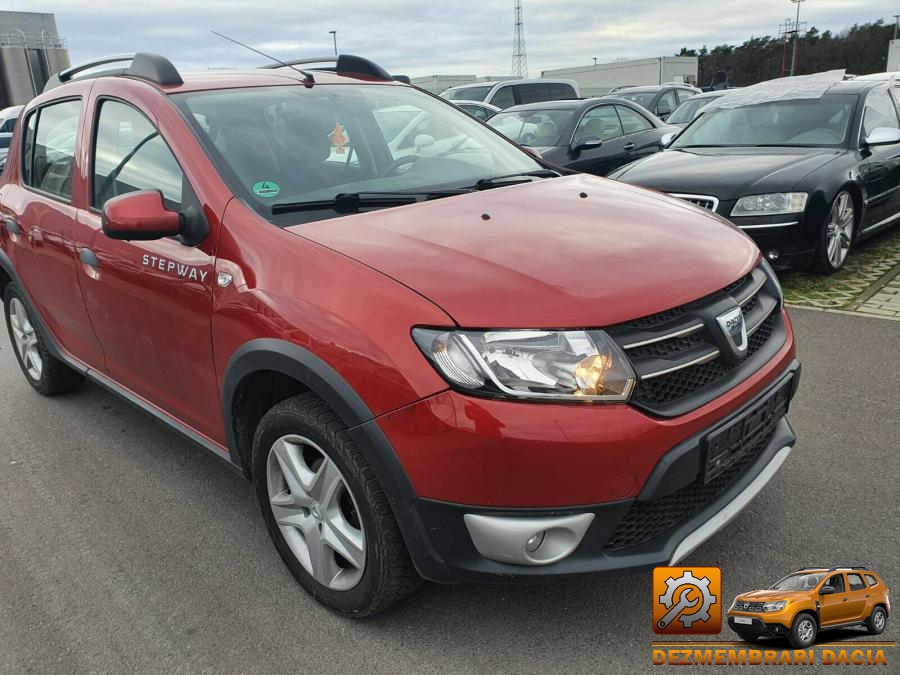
x: 144, y: 65
x: 345, y: 63
x: 812, y: 567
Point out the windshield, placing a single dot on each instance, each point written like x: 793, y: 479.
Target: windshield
x: 466, y: 93
x: 798, y: 582
x: 689, y: 109
x: 643, y: 99
x: 292, y: 143
x: 536, y: 128
x: 822, y: 122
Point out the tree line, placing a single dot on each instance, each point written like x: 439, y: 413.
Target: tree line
x: 860, y: 49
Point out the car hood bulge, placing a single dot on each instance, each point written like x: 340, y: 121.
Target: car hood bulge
x: 727, y: 173
x: 772, y: 596
x: 567, y: 252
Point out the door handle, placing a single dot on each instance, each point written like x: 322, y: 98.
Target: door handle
x: 12, y: 226
x: 89, y: 258
x: 629, y: 147
x: 845, y: 599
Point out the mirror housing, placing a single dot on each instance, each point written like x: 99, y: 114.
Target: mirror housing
x: 423, y: 141
x: 826, y: 590
x: 587, y: 143
x: 140, y: 216
x: 666, y: 139
x: 882, y: 136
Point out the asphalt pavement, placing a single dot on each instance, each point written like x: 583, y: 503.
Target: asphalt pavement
x: 125, y: 548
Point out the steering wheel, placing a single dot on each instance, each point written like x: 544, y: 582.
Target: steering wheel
x: 391, y: 169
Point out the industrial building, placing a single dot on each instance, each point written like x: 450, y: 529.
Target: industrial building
x: 438, y: 83
x: 597, y: 79
x: 31, y: 50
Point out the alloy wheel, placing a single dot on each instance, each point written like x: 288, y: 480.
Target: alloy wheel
x: 25, y: 339
x: 879, y: 621
x: 805, y: 631
x: 839, y: 232
x: 316, y: 512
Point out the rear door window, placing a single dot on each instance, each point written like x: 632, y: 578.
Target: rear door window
x: 504, y: 98
x: 534, y: 92
x: 872, y: 580
x: 8, y: 126
x: 632, y: 122
x: 49, y: 149
x: 560, y: 91
x: 856, y: 582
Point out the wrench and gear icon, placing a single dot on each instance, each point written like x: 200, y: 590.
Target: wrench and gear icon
x: 675, y: 609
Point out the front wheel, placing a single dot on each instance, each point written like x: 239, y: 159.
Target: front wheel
x: 803, y: 631
x: 325, y: 511
x: 836, y: 235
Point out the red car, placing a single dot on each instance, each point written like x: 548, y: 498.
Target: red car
x: 433, y: 358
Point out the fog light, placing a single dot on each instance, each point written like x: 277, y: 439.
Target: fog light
x: 773, y: 255
x: 535, y: 541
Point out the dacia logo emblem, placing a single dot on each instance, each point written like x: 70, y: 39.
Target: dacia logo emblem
x: 735, y: 330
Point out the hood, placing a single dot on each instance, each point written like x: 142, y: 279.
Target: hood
x: 772, y: 596
x: 727, y: 173
x: 541, y: 255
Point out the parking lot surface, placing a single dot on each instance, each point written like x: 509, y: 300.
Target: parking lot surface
x: 124, y: 548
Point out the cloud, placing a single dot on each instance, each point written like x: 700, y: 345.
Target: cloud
x: 423, y: 38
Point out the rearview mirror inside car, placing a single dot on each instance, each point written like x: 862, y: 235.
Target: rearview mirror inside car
x: 826, y: 590
x: 140, y: 216
x: 882, y: 136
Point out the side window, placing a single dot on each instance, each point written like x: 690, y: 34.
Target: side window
x: 504, y: 98
x: 601, y: 122
x: 560, y: 91
x: 130, y: 155
x: 856, y: 582
x: 8, y: 126
x: 632, y: 122
x: 533, y: 93
x: 684, y: 95
x: 49, y: 149
x: 879, y: 112
x: 477, y: 111
x: 836, y: 582
x: 872, y: 580
x: 667, y: 103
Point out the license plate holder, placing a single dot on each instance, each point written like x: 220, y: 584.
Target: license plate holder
x: 744, y: 620
x: 729, y: 444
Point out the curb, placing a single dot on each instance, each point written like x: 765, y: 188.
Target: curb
x: 876, y: 286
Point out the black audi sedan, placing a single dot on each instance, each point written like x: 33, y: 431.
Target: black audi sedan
x: 807, y: 174
x: 592, y: 135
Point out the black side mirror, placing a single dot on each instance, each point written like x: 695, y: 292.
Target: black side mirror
x: 586, y: 143
x: 663, y: 113
x: 826, y: 590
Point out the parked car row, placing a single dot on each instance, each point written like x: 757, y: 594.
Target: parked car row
x: 505, y: 94
x: 660, y: 99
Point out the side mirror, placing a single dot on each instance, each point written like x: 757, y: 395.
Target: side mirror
x: 882, y: 136
x: 662, y: 112
x: 423, y: 141
x: 586, y: 143
x: 666, y: 139
x: 826, y: 590
x: 140, y: 216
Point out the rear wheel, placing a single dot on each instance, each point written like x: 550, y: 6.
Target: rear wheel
x: 325, y: 511
x: 877, y: 621
x: 44, y: 372
x: 803, y: 631
x: 837, y: 234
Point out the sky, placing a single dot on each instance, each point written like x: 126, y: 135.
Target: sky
x: 422, y: 37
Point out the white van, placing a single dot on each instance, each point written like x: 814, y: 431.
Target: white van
x: 507, y: 93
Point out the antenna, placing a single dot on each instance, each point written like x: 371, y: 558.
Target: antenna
x: 519, y: 60
x: 308, y: 79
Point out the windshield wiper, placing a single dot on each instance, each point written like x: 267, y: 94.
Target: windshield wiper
x: 352, y: 202
x: 513, y: 178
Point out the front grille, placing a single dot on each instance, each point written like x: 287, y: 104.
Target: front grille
x: 742, y: 443
x: 680, y: 355
x: 748, y: 606
x: 707, y: 202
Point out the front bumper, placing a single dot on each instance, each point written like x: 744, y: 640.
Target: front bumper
x: 609, y: 543
x: 770, y: 627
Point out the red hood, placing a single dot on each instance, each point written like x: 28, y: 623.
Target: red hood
x: 546, y: 258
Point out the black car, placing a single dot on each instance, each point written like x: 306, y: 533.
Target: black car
x: 805, y: 178
x: 593, y: 136
x: 660, y: 99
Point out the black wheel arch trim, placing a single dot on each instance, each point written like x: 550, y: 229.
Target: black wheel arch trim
x: 288, y: 358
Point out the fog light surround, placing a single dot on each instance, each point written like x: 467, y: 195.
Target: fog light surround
x: 527, y: 541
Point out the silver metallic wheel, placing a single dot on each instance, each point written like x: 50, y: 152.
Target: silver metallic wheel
x: 316, y: 512
x: 805, y: 631
x: 25, y: 339
x: 839, y: 229
x: 878, y: 620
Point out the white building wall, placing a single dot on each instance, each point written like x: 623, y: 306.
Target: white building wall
x: 438, y: 83
x: 893, y: 60
x: 596, y: 80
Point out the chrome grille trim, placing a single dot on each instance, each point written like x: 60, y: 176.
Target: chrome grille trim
x: 708, y: 202
x: 705, y: 358
x: 690, y: 330
x: 758, y: 283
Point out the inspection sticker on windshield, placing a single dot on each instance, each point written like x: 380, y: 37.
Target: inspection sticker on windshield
x: 338, y: 138
x: 266, y: 188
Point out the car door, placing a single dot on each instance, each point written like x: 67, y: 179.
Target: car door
x: 833, y: 608
x: 858, y: 597
x: 640, y: 131
x: 38, y: 214
x: 149, y: 301
x: 665, y: 104
x: 879, y: 169
x: 600, y: 123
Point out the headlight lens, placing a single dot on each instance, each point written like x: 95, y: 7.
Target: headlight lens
x: 774, y: 606
x: 771, y: 204
x: 575, y: 365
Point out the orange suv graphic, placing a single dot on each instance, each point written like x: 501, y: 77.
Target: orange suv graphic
x: 809, y: 601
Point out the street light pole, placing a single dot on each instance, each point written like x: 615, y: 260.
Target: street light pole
x: 796, y: 36
x: 334, y: 36
x: 896, y: 23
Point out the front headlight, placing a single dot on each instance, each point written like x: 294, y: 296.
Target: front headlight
x: 771, y: 204
x: 571, y: 365
x: 774, y: 606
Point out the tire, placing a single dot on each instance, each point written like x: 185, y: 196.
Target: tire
x: 836, y: 235
x: 803, y: 631
x: 877, y: 621
x: 314, y: 485
x: 47, y: 374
